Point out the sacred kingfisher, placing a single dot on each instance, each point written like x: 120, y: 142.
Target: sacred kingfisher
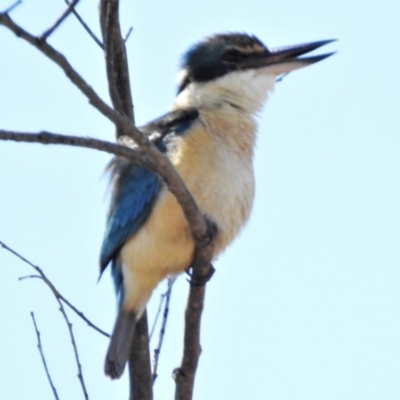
x: 209, y: 136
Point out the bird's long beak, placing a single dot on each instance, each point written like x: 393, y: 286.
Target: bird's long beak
x: 283, y: 60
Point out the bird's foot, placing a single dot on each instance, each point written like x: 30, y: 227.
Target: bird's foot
x: 211, y: 232
x: 200, y: 280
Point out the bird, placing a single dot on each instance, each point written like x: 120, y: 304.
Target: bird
x: 209, y: 136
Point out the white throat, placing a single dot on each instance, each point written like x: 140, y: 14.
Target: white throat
x: 246, y: 90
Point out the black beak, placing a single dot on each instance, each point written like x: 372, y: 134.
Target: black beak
x: 283, y: 60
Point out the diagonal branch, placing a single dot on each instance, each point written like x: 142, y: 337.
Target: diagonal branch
x: 56, y: 24
x: 157, y: 350
x: 162, y: 300
x: 14, y: 5
x: 75, y: 348
x: 56, y: 293
x: 40, y: 348
x: 128, y: 34
x: 85, y: 26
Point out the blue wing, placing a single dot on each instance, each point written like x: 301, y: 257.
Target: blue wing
x: 134, y: 192
x: 134, y: 189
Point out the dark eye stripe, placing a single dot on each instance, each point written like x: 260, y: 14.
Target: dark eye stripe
x: 232, y: 56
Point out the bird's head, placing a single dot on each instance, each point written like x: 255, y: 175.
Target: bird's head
x: 238, y: 69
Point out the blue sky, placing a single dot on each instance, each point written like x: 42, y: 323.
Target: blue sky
x: 306, y: 303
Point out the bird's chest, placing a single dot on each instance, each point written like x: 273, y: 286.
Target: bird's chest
x: 219, y: 175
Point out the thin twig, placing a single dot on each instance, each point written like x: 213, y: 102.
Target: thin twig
x: 59, y: 299
x: 128, y: 34
x: 39, y: 345
x: 56, y: 24
x: 280, y: 77
x: 55, y: 292
x: 85, y: 26
x: 74, y: 346
x: 9, y: 9
x: 80, y: 314
x: 21, y: 278
x: 157, y: 350
x: 162, y: 300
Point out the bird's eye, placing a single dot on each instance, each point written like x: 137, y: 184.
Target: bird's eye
x: 232, y: 56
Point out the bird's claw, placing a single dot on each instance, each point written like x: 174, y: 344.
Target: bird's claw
x: 212, y: 230
x: 200, y: 280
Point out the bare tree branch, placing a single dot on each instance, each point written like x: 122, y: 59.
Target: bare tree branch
x: 157, y: 350
x: 54, y: 290
x: 85, y: 26
x: 39, y: 345
x: 58, y: 297
x: 56, y: 24
x: 184, y: 375
x: 139, y: 363
x: 162, y: 300
x: 116, y: 60
x: 14, y: 5
x: 132, y: 154
x: 72, y: 337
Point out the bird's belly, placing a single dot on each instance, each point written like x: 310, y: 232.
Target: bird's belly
x: 228, y: 206
x: 164, y: 241
x: 224, y: 193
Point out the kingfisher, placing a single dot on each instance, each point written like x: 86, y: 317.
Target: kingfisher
x: 209, y: 136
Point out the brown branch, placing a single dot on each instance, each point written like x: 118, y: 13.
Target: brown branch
x: 40, y: 348
x: 157, y: 350
x: 116, y: 60
x: 185, y: 374
x: 54, y: 290
x: 139, y: 363
x: 132, y: 154
x: 85, y: 26
x: 61, y: 19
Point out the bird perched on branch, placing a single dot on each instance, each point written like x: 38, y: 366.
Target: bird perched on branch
x: 209, y: 137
